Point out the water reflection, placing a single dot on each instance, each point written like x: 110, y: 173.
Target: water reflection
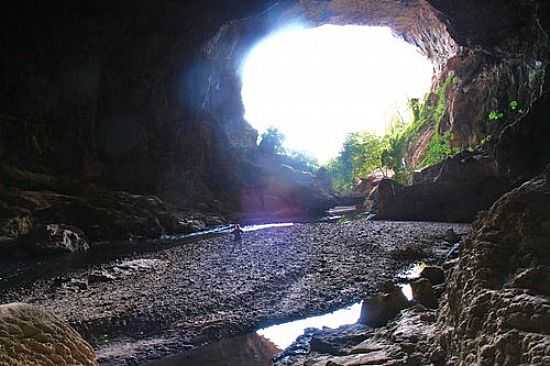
x: 411, y: 273
x: 284, y: 335
x: 247, y: 350
x: 258, y: 349
x: 224, y: 229
x: 247, y: 228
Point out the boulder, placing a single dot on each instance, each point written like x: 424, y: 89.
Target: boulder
x: 54, y: 239
x: 457, y: 201
x: 435, y: 274
x: 454, y: 190
x: 274, y: 190
x: 422, y: 293
x: 383, y: 307
x: 15, y: 227
x: 466, y: 166
x: 34, y: 337
x: 451, y: 237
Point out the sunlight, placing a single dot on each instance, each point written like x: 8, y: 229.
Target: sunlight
x: 318, y: 84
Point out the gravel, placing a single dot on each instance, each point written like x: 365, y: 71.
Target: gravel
x: 187, y: 295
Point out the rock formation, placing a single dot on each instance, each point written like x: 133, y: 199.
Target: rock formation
x: 498, y: 311
x: 33, y: 337
x: 147, y: 97
x: 454, y: 190
x: 495, y: 309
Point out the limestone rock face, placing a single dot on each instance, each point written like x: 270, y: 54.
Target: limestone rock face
x: 454, y: 190
x: 30, y: 336
x: 498, y: 310
x: 55, y: 239
x: 43, y: 221
x: 522, y: 150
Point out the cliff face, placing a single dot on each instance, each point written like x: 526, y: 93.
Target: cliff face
x: 145, y: 97
x: 497, y: 310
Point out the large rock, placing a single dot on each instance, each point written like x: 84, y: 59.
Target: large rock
x: 101, y: 214
x: 498, y: 310
x: 452, y: 191
x: 383, y: 307
x: 422, y: 292
x: 30, y: 336
x: 434, y: 274
x: 274, y: 190
x: 56, y: 239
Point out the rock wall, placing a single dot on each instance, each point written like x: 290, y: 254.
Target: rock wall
x: 498, y: 312
x: 145, y: 97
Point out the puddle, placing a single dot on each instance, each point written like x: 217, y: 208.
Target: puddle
x: 24, y: 272
x: 247, y: 350
x: 225, y: 229
x: 248, y: 228
x: 409, y: 274
x: 283, y: 335
x: 258, y: 349
x: 341, y: 210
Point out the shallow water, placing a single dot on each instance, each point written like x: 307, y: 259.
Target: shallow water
x: 259, y: 348
x: 283, y: 335
x: 24, y: 271
x: 409, y: 274
x: 247, y: 350
x: 225, y: 229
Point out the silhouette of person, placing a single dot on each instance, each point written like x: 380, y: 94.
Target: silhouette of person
x: 237, y: 233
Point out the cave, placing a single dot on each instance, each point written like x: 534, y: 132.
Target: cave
x: 138, y: 208
x: 304, y: 81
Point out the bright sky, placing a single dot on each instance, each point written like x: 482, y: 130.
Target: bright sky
x: 317, y: 85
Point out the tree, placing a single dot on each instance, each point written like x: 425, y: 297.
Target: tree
x: 361, y: 155
x: 272, y: 142
x: 302, y: 161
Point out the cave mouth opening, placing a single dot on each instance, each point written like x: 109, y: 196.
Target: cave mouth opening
x: 316, y: 85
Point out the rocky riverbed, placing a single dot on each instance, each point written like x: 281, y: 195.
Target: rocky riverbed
x: 153, y: 303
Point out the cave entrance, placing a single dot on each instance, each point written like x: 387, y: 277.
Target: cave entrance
x: 316, y: 85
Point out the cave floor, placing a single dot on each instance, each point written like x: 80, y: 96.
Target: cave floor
x: 146, y: 305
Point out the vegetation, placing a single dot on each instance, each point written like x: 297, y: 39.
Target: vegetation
x: 364, y: 153
x: 272, y: 143
x: 514, y: 110
x: 361, y: 155
x: 302, y: 161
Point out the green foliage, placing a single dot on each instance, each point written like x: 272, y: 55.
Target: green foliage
x: 401, y: 135
x: 364, y: 153
x: 495, y: 116
x: 514, y: 110
x: 396, y: 142
x: 301, y: 161
x: 361, y: 155
x: 439, y: 148
x: 272, y: 141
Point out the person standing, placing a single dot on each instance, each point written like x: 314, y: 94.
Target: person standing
x: 237, y: 233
